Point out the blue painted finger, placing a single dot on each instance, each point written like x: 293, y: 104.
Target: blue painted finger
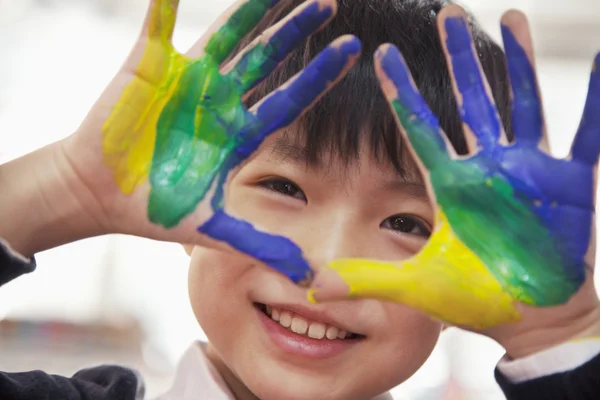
x: 476, y: 107
x: 586, y: 146
x: 282, y: 107
x: 263, y: 58
x: 277, y: 252
x: 418, y: 122
x: 527, y: 116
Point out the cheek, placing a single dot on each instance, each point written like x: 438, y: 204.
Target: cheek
x: 218, y: 295
x: 408, y: 338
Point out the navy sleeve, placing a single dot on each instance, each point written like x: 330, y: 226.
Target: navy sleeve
x: 12, y: 265
x: 101, y: 383
x: 582, y: 383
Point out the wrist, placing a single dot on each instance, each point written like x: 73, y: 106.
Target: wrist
x: 40, y: 203
x: 584, y: 327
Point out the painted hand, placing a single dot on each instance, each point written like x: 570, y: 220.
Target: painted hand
x: 179, y: 126
x: 513, y: 224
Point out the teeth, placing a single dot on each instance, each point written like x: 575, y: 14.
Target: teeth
x: 275, y: 315
x: 332, y: 332
x: 285, y: 319
x: 316, y: 330
x: 299, y: 325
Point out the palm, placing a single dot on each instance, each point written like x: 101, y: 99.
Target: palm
x: 513, y: 224
x: 199, y: 121
x: 510, y: 203
x: 180, y: 118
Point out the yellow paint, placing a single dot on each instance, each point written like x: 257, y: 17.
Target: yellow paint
x: 445, y: 280
x: 586, y: 339
x: 129, y: 133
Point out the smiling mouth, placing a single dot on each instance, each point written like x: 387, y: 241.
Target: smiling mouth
x: 305, y: 327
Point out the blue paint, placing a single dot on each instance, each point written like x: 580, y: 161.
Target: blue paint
x: 293, y: 33
x: 527, y: 117
x: 432, y: 152
x: 232, y: 161
x: 277, y: 252
x: 586, y: 146
x: 285, y: 105
x: 559, y: 192
x: 477, y: 109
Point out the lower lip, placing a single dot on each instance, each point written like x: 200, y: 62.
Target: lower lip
x: 304, y: 346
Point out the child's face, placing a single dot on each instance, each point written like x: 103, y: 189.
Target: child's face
x: 361, y: 210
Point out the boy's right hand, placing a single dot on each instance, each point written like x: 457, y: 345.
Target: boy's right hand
x: 163, y: 136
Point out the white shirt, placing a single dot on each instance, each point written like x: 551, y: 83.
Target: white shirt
x: 196, y: 377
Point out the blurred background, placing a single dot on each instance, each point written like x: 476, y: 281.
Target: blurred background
x: 124, y: 300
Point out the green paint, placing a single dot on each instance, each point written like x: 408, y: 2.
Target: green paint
x: 428, y: 144
x: 248, y: 73
x: 196, y: 132
x: 493, y: 220
x: 243, y: 20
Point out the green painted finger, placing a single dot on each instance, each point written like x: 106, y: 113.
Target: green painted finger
x: 243, y: 20
x: 419, y: 123
x: 263, y: 57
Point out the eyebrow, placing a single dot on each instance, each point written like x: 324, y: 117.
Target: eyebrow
x: 284, y: 149
x: 413, y: 187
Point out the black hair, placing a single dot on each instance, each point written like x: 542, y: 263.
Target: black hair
x: 356, y: 107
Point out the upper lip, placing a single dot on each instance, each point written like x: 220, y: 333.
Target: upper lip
x: 313, y: 315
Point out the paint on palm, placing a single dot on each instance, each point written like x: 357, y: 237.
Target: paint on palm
x: 513, y: 223
x: 181, y: 122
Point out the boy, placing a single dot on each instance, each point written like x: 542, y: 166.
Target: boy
x: 338, y: 182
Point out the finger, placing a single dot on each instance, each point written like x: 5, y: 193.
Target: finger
x: 418, y: 124
x: 527, y: 113
x: 586, y: 146
x: 286, y: 104
x: 160, y: 19
x: 242, y: 21
x: 273, y: 46
x: 277, y: 252
x: 446, y: 292
x: 197, y: 48
x: 483, y: 128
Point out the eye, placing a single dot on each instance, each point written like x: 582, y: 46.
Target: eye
x: 283, y: 187
x: 407, y: 224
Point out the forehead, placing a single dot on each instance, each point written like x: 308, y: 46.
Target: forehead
x: 292, y: 147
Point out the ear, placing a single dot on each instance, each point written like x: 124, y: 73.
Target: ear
x: 188, y: 249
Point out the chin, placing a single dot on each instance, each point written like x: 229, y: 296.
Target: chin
x: 277, y: 381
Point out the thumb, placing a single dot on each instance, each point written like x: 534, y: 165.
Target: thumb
x: 434, y: 287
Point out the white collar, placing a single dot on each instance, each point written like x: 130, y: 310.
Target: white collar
x: 197, y: 379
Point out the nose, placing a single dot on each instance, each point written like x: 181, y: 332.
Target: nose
x: 326, y: 238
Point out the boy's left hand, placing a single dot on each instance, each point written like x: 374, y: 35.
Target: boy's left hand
x: 512, y: 252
